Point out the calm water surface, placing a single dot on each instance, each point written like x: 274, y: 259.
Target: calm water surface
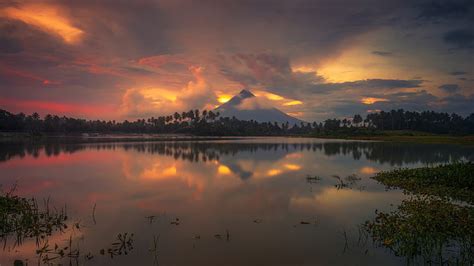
x: 238, y: 202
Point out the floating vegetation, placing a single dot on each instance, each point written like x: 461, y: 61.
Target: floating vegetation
x: 150, y: 218
x: 48, y: 254
x: 154, y: 250
x: 346, y: 182
x: 313, y: 179
x: 122, y: 246
x: 434, y: 230
x: 22, y: 218
x: 453, y: 181
x: 93, y: 213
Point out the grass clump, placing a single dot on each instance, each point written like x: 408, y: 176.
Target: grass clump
x: 434, y: 230
x: 454, y: 181
x: 22, y: 218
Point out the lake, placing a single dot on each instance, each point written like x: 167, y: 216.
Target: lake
x: 249, y: 201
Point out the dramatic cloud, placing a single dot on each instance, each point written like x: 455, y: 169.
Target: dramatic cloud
x: 197, y: 94
x: 450, y: 88
x: 45, y: 17
x: 452, y: 9
x: 458, y: 73
x: 460, y: 38
x: 382, y: 53
x: 311, y: 58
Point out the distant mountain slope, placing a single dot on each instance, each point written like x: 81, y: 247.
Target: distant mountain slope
x: 233, y: 108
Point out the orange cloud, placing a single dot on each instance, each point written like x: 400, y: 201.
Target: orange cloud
x: 269, y: 95
x: 293, y: 167
x: 372, y: 100
x: 291, y: 103
x: 197, y: 94
x: 46, y: 18
x: 224, y: 98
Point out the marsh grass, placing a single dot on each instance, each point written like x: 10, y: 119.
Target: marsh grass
x: 437, y: 231
x: 22, y: 218
x: 450, y: 181
x: 429, y: 225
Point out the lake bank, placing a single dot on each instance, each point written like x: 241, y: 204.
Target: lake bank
x: 414, y: 137
x: 13, y: 137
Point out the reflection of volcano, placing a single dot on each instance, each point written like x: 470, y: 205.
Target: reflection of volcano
x: 238, y: 170
x: 244, y: 106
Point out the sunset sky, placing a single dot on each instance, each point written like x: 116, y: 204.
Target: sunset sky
x: 314, y: 59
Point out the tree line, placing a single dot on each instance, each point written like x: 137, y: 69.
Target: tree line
x: 210, y: 123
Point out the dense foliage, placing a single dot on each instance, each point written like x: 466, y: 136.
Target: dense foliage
x: 454, y: 181
x: 210, y: 123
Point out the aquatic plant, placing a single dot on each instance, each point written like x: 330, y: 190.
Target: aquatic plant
x: 453, y: 181
x: 122, y: 246
x: 435, y: 230
x: 22, y: 218
x: 347, y: 182
x: 313, y: 179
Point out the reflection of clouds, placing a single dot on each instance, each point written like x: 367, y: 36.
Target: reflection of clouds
x: 343, y: 203
x: 296, y: 155
x: 223, y: 170
x: 142, y: 168
x: 268, y: 149
x: 368, y: 170
x: 246, y: 168
x: 293, y: 167
x: 273, y: 172
x: 236, y: 183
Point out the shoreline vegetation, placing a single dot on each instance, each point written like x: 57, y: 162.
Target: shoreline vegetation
x: 453, y: 181
x: 435, y: 225
x: 395, y: 125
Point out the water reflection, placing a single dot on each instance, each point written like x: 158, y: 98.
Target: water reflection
x: 395, y: 154
x: 183, y: 200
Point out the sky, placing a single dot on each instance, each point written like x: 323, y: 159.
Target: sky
x: 313, y: 59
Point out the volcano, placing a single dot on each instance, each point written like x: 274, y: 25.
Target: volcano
x: 235, y: 107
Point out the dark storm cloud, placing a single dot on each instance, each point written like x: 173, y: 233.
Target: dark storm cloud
x: 257, y: 43
x: 417, y: 101
x: 460, y: 38
x: 450, y: 88
x: 382, y: 53
x: 274, y: 72
x: 458, y: 103
x: 271, y: 71
x: 446, y: 9
x: 458, y: 73
x: 378, y: 84
x: 413, y: 101
x: 9, y: 45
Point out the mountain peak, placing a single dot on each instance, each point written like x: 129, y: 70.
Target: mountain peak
x: 246, y: 94
x: 270, y: 114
